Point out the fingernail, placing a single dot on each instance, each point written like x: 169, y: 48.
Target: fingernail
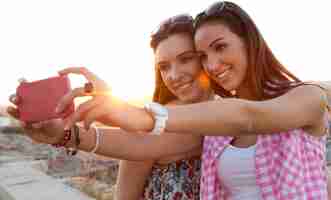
x: 37, y: 125
x: 58, y: 109
x: 21, y: 80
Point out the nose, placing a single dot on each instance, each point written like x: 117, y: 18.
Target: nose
x: 173, y: 74
x: 212, y: 65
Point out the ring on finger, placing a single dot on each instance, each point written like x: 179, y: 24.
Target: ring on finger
x: 88, y: 88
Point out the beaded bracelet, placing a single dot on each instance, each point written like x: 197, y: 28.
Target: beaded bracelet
x: 66, y: 138
x: 73, y: 151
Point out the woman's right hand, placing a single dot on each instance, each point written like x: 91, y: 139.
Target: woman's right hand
x: 49, y: 132
x: 103, y: 107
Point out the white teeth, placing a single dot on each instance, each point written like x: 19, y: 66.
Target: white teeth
x: 223, y: 74
x: 185, y: 86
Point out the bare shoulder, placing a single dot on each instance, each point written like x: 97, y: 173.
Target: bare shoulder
x: 316, y: 101
x: 309, y: 89
x: 303, y: 106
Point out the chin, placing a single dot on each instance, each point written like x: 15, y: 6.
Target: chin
x: 186, y: 99
x: 195, y: 98
x: 228, y: 85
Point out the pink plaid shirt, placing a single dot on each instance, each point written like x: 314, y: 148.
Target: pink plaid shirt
x: 289, y: 165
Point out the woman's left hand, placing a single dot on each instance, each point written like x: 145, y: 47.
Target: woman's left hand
x: 98, y: 84
x: 102, y: 107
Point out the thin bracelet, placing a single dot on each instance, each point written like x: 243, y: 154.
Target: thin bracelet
x: 97, y: 134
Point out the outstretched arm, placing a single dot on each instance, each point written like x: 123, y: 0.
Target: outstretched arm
x: 302, y: 107
x: 117, y: 143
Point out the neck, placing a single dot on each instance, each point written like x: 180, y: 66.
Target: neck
x: 207, y: 95
x: 245, y: 92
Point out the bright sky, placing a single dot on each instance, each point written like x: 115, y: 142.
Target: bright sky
x: 111, y: 38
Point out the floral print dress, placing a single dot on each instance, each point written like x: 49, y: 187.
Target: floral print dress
x: 178, y: 180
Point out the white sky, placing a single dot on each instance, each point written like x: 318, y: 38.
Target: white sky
x: 40, y: 37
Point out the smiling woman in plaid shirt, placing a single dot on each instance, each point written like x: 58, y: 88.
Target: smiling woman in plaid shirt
x: 265, y: 139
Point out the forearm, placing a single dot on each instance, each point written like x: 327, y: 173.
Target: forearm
x: 137, y: 119
x: 117, y: 143
x: 131, y: 179
x: 235, y: 117
x: 224, y: 117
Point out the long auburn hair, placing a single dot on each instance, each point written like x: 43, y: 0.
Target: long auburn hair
x: 268, y: 77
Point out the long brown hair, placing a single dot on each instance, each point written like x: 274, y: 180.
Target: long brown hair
x: 174, y: 25
x: 266, y: 75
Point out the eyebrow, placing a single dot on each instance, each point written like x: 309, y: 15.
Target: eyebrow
x: 216, y: 40
x: 185, y: 52
x: 177, y: 56
x: 161, y: 62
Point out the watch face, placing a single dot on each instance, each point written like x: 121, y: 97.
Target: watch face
x: 160, y: 115
x: 159, y: 110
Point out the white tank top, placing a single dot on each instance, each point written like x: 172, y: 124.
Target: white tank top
x: 236, y: 169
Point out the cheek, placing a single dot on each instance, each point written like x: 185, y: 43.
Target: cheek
x: 164, y: 77
x: 242, y: 56
x: 205, y: 69
x: 194, y: 68
x: 243, y: 63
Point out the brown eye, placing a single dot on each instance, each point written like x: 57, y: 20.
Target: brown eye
x: 163, y: 67
x: 220, y: 47
x: 202, y: 57
x: 186, y: 59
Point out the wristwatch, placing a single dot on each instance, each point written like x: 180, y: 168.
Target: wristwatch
x: 160, y: 115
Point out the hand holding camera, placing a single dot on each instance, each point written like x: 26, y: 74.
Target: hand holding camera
x: 36, y: 101
x: 35, y: 104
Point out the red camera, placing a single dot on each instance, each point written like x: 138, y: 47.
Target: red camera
x: 38, y: 99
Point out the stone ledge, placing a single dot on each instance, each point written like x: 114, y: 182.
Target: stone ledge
x: 21, y: 181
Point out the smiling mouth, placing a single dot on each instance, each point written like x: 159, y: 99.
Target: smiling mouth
x: 184, y: 86
x: 223, y: 74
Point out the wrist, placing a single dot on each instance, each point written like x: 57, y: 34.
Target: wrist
x: 97, y: 139
x: 73, y: 143
x: 87, y: 139
x: 92, y: 139
x: 159, y: 114
x: 70, y: 141
x: 64, y: 140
